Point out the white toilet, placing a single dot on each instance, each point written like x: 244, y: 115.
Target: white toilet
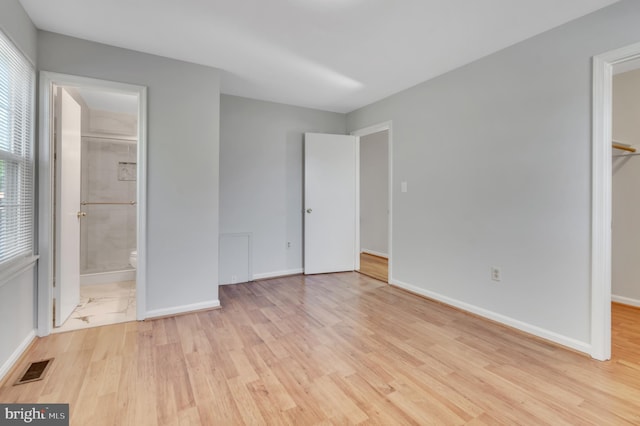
x: 133, y: 259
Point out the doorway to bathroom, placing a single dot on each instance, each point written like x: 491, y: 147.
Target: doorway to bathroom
x: 91, y: 257
x: 95, y: 145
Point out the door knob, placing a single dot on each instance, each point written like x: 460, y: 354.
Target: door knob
x: 81, y: 214
x: 309, y: 210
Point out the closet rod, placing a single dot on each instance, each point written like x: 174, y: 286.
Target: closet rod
x: 623, y: 147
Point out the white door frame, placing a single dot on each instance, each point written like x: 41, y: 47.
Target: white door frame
x: 387, y: 125
x: 46, y: 190
x: 601, y: 213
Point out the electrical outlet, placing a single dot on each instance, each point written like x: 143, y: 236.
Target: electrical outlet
x: 496, y: 273
x: 288, y: 244
x: 234, y: 279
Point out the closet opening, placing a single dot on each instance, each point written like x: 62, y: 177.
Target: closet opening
x: 625, y: 211
x: 374, y: 201
x: 605, y: 66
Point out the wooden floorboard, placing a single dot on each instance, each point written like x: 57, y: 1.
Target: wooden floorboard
x: 374, y: 266
x: 331, y: 349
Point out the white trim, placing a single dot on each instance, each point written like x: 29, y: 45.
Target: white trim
x: 601, y: 197
x: 108, y: 277
x: 15, y: 356
x: 164, y: 312
x: 356, y: 245
x: 503, y: 319
x: 380, y: 127
x: 46, y: 182
x: 277, y: 274
x: 15, y: 267
x: 387, y: 125
x: 374, y: 253
x: 141, y: 225
x: 8, y: 156
x: 625, y: 300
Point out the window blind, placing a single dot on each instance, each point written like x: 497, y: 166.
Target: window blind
x: 17, y: 87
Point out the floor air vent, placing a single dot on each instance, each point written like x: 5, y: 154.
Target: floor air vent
x: 35, y: 371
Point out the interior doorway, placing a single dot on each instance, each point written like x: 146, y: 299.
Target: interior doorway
x: 374, y: 205
x: 92, y: 221
x: 625, y: 242
x: 374, y: 200
x: 325, y: 156
x: 601, y: 270
x: 330, y: 181
x: 95, y: 162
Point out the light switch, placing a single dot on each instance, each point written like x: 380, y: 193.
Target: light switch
x: 403, y: 186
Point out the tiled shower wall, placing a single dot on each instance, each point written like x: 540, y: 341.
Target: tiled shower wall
x: 108, y: 232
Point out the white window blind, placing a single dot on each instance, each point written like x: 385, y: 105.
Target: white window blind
x: 17, y: 86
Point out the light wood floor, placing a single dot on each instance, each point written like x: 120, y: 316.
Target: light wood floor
x: 331, y: 349
x: 374, y: 266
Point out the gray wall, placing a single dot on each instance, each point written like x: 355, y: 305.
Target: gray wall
x: 17, y: 291
x: 182, y: 163
x: 374, y: 192
x: 15, y: 23
x: 497, y: 156
x: 261, y: 176
x: 625, y: 260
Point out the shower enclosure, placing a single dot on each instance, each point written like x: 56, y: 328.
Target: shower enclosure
x: 108, y: 231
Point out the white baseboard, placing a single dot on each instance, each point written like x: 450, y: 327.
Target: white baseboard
x: 108, y: 277
x: 175, y: 310
x: 277, y: 274
x: 511, y: 322
x: 375, y: 253
x: 15, y: 356
x: 625, y: 300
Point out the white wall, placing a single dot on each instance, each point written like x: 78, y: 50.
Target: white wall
x: 625, y: 261
x: 374, y: 193
x: 497, y: 156
x: 261, y: 177
x: 17, y: 290
x: 182, y: 163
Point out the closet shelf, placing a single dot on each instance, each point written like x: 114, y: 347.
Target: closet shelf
x: 623, y: 147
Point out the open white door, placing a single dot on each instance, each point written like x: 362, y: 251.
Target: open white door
x: 329, y: 203
x: 68, y: 215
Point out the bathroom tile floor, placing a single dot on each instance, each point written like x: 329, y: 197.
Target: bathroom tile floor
x: 103, y: 304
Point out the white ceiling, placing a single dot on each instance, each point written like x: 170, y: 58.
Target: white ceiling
x: 336, y: 55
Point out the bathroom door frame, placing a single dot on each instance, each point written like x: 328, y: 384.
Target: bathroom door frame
x: 46, y: 188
